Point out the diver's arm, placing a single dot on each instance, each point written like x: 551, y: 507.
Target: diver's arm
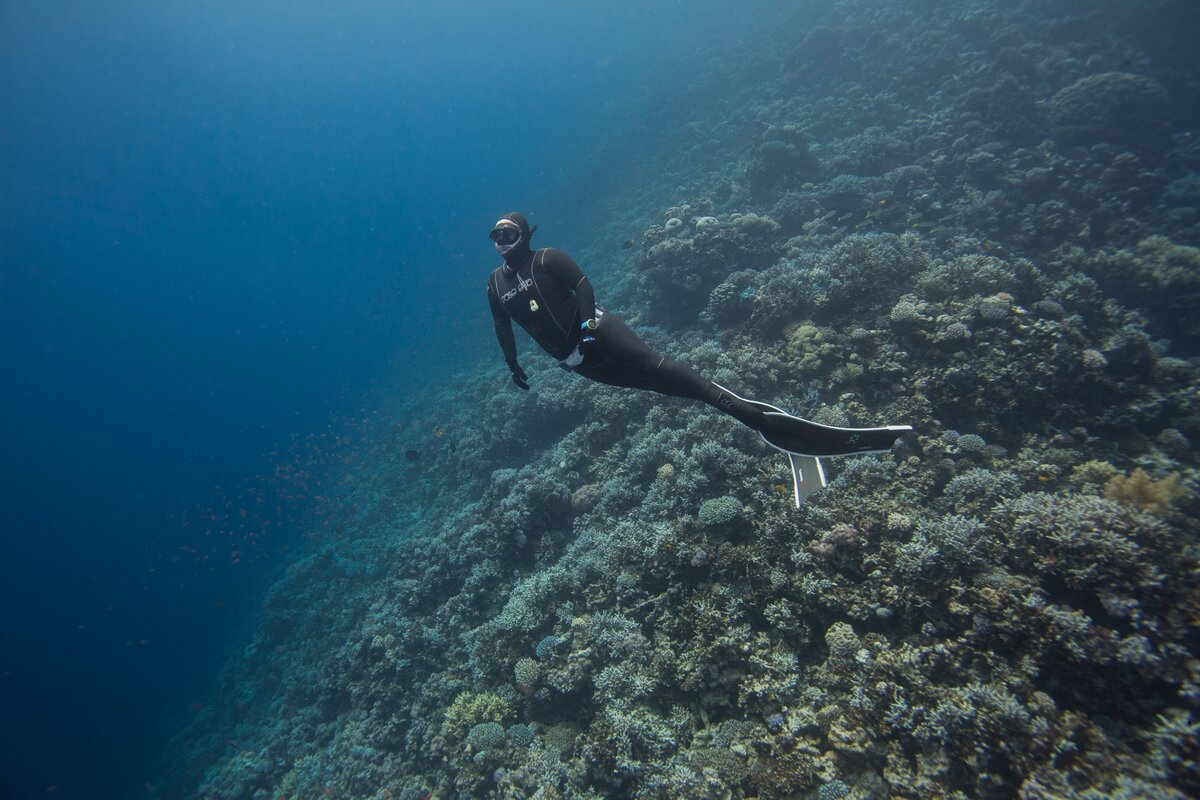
x: 564, y: 269
x: 503, y: 324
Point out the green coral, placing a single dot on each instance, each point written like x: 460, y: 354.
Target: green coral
x: 486, y: 736
x: 809, y: 348
x: 520, y: 735
x: 1093, y: 473
x: 526, y: 673
x: 720, y: 510
x: 473, y: 708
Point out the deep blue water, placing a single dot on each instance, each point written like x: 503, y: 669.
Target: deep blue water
x: 222, y: 224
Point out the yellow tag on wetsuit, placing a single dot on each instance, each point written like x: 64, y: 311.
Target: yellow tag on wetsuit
x: 533, y: 306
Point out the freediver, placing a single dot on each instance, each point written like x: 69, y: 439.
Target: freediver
x: 548, y: 295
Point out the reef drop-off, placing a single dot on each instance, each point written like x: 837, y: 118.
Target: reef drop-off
x: 980, y: 219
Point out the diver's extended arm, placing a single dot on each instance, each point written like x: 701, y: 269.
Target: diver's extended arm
x: 503, y: 325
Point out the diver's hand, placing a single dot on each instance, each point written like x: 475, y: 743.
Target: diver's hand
x: 518, y: 375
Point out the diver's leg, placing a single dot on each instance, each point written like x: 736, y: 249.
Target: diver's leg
x: 621, y: 358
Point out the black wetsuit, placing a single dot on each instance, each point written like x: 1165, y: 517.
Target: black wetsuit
x: 548, y: 295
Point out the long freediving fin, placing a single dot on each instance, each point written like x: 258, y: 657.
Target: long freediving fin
x: 805, y: 442
x: 798, y: 435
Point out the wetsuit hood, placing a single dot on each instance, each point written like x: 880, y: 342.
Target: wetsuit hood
x: 518, y: 255
x: 518, y: 219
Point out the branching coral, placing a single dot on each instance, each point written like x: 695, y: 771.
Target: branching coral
x: 1139, y: 489
x: 470, y: 709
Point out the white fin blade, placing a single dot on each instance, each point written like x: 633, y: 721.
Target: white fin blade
x: 808, y: 476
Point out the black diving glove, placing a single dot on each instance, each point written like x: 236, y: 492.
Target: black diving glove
x: 518, y: 375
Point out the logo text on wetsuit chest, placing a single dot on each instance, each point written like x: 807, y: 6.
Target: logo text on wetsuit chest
x: 522, y: 285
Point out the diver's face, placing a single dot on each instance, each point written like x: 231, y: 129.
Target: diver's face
x: 506, y: 238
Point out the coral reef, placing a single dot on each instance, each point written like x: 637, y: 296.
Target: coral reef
x: 1113, y: 108
x: 599, y: 595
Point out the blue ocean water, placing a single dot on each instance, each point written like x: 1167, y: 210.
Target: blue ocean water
x: 222, y: 224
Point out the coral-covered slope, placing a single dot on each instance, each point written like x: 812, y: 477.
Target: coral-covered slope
x: 881, y: 213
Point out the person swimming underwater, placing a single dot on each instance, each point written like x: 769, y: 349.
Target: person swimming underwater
x: 548, y: 295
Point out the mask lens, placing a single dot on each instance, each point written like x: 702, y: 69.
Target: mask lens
x: 506, y: 235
